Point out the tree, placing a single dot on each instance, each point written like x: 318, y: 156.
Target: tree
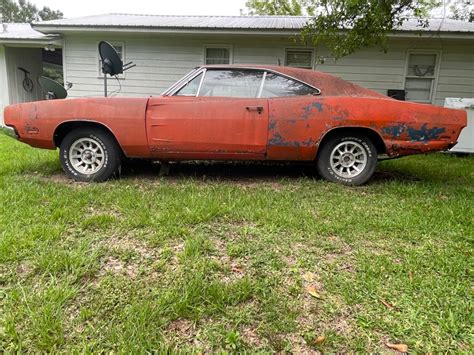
x: 25, y: 11
x: 280, y: 7
x: 345, y: 26
x: 463, y: 11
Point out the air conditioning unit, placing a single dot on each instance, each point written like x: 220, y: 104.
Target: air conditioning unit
x: 466, y: 139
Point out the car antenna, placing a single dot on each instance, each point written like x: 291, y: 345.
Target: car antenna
x: 111, y: 62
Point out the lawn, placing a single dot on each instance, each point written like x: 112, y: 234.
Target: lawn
x: 235, y: 258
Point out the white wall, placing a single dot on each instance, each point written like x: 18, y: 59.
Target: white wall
x: 162, y: 60
x: 29, y: 59
x: 4, y: 97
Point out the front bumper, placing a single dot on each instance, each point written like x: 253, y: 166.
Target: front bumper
x: 9, y: 131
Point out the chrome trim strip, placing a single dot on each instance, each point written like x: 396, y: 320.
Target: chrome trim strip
x: 267, y: 70
x: 318, y: 90
x: 200, y: 83
x: 179, y: 84
x: 261, y: 84
x: 167, y: 91
x: 9, y: 131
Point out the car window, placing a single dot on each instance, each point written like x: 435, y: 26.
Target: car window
x: 276, y: 85
x: 231, y: 83
x: 191, y: 88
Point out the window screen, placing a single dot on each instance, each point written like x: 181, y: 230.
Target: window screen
x: 299, y: 59
x: 420, y: 76
x: 217, y: 56
x: 231, y: 83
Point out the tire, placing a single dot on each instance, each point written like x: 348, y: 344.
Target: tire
x: 354, y: 159
x: 90, y: 154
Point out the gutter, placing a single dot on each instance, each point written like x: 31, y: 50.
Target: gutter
x: 63, y: 29
x: 54, y: 41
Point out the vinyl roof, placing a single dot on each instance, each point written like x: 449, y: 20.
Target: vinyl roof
x: 275, y: 23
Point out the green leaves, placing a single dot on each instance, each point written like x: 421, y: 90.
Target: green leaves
x: 345, y: 26
x: 25, y: 11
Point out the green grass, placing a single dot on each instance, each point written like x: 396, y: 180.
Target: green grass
x: 219, y: 258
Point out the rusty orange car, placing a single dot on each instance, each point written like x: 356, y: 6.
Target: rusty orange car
x: 238, y: 112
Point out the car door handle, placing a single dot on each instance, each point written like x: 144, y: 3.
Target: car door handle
x: 259, y: 109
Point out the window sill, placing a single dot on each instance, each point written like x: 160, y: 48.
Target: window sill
x: 111, y: 77
x: 419, y: 77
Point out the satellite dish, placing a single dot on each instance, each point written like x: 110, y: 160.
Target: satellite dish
x: 111, y: 62
x: 52, y: 88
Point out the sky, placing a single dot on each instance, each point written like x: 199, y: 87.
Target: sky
x: 78, y: 8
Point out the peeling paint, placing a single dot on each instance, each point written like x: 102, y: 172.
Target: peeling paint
x: 308, y: 109
x: 272, y: 125
x: 278, y: 141
x: 394, y: 131
x: 307, y: 143
x: 424, y: 134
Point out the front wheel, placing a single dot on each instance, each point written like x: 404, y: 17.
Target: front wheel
x: 89, y: 154
x: 349, y: 159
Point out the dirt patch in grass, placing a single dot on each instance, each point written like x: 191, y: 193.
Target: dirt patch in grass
x: 181, y: 328
x: 61, y: 178
x: 129, y: 256
x: 94, y: 210
x: 129, y: 243
x: 250, y: 336
x: 24, y: 269
x: 184, y: 331
x: 299, y: 345
x: 342, y: 257
x: 115, y: 266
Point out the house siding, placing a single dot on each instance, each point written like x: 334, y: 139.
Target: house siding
x: 4, y: 97
x: 31, y: 60
x: 11, y: 79
x: 162, y: 60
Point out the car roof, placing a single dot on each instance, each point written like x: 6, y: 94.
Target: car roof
x: 329, y: 85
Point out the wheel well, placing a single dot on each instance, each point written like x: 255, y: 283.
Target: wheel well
x: 64, y: 128
x: 369, y: 133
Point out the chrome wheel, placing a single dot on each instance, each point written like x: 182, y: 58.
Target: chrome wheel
x: 87, y: 156
x: 348, y: 159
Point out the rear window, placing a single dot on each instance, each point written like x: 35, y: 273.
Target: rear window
x: 279, y: 86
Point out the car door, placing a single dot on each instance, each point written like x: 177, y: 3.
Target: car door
x: 215, y: 115
x: 295, y: 118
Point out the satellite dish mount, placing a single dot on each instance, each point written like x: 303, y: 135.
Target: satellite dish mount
x: 111, y: 63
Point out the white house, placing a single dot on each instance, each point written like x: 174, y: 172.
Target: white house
x: 429, y: 64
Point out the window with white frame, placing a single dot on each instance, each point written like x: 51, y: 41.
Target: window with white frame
x: 217, y: 55
x: 420, y: 76
x: 119, y: 47
x: 299, y: 58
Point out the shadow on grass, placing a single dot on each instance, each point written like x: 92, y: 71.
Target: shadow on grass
x: 400, y: 170
x: 222, y: 171
x: 245, y: 171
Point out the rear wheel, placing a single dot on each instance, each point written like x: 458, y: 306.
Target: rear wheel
x: 349, y: 159
x: 90, y: 154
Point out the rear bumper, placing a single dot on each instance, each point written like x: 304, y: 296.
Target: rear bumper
x: 9, y: 131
